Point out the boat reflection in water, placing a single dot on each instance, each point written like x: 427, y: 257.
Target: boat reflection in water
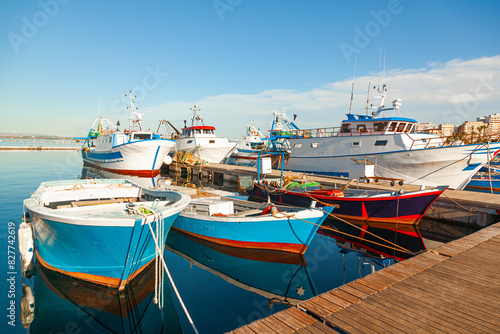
x: 89, y: 172
x: 375, y: 240
x: 65, y: 304
x: 278, y: 276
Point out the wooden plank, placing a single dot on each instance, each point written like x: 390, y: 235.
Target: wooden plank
x: 375, y: 281
x: 445, y: 281
x: 317, y: 328
x: 438, y: 308
x: 260, y: 327
x: 301, y: 316
x: 313, y: 308
x: 355, y: 292
x: 286, y: 316
x: 457, y: 308
x: 474, y: 276
x: 385, y: 315
x: 387, y: 310
x: 277, y: 325
x: 370, y: 324
x: 345, y: 325
x: 346, y: 296
x: 439, y: 293
x: 333, y: 298
x: 361, y: 287
x: 401, y: 272
x: 422, y: 316
x: 244, y: 330
x: 348, y: 324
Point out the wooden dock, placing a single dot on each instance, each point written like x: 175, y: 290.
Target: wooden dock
x: 457, y: 206
x: 453, y: 289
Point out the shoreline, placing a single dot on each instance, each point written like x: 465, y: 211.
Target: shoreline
x: 37, y: 148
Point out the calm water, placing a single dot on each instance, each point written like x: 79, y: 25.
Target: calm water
x: 221, y: 290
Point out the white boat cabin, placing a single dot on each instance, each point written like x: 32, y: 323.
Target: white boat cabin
x: 200, y: 131
x: 367, y: 125
x: 112, y: 139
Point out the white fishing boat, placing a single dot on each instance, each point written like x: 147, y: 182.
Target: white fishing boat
x: 133, y: 151
x: 375, y: 146
x: 250, y: 145
x: 103, y: 231
x: 200, y: 140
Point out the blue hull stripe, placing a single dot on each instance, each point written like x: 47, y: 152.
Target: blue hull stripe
x: 156, y: 156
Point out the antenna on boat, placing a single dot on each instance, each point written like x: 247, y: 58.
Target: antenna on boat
x: 196, y: 116
x: 132, y: 112
x: 352, y: 88
x: 379, y: 69
x: 368, y: 98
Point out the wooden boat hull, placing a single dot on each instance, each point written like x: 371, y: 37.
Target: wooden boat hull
x: 101, y: 243
x: 406, y: 208
x: 289, y: 234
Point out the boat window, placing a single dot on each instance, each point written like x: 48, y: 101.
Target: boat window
x: 361, y: 127
x: 401, y: 127
x: 392, y: 127
x: 190, y: 141
x: 207, y: 131
x: 142, y: 136
x: 408, y: 127
x: 197, y: 131
x: 379, y: 126
x: 314, y: 145
x: 380, y: 143
x: 355, y: 143
x: 346, y: 128
x: 298, y: 145
x: 211, y: 141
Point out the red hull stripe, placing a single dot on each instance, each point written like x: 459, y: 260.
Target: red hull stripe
x: 144, y: 173
x: 285, y: 247
x: 406, y: 220
x: 103, y: 280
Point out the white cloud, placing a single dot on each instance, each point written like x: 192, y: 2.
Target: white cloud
x: 450, y: 92
x: 454, y: 91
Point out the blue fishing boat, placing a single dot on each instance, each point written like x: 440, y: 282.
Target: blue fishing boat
x: 104, y: 231
x: 484, y: 183
x: 278, y: 276
x: 245, y: 224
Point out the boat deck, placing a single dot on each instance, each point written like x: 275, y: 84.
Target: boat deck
x: 453, y: 289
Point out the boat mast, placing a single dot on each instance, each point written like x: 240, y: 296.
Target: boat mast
x: 352, y: 88
x: 134, y: 117
x: 196, y: 116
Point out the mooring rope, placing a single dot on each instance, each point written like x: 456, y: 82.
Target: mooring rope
x: 396, y: 246
x: 158, y: 249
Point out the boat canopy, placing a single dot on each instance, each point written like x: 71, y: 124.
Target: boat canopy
x: 198, y: 130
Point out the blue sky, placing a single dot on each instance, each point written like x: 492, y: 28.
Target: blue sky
x: 241, y: 60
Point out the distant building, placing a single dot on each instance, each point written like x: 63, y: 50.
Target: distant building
x: 474, y: 131
x: 447, y: 129
x: 493, y: 122
x: 425, y: 127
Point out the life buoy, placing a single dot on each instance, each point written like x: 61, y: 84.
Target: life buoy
x: 270, y: 209
x: 307, y: 134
